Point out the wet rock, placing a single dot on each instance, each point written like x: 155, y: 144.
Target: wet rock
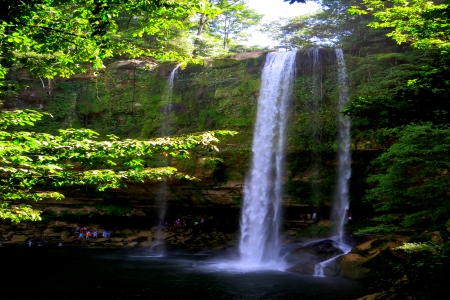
x: 304, y: 259
x: 131, y: 245
x: 436, y: 236
x: 17, y: 239
x: 325, y: 223
x: 388, y: 295
x: 131, y: 64
x: 323, y: 250
x: 352, y: 266
x: 146, y: 244
x: 247, y: 55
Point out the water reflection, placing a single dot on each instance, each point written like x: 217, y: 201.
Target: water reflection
x: 84, y: 275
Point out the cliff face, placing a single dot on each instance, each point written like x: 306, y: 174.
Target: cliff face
x: 129, y: 99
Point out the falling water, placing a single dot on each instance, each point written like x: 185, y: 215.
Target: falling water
x: 319, y: 269
x: 314, y: 108
x: 168, y: 96
x: 157, y: 246
x: 341, y: 205
x: 261, y: 212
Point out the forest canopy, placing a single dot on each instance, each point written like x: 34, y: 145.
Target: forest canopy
x: 58, y: 37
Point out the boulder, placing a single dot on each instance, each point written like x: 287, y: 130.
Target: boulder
x: 352, y: 266
x: 388, y: 295
x: 131, y: 64
x: 435, y: 236
x: 247, y: 55
x: 304, y: 259
x: 131, y: 245
x: 17, y: 239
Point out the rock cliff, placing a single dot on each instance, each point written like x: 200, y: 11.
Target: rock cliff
x: 128, y: 99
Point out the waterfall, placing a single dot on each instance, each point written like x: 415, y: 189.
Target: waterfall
x: 261, y: 212
x: 319, y: 269
x: 314, y: 108
x: 341, y: 203
x: 157, y: 246
x: 168, y: 97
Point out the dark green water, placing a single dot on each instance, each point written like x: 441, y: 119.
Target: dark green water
x: 43, y: 273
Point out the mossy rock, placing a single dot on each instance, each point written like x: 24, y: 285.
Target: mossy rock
x: 223, y: 63
x: 351, y: 266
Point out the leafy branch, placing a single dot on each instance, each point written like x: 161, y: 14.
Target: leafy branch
x: 33, y: 164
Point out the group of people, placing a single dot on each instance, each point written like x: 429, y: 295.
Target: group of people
x: 179, y: 222
x: 84, y: 233
x: 312, y: 216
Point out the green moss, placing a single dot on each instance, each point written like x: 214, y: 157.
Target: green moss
x: 315, y: 231
x: 114, y: 209
x: 224, y: 63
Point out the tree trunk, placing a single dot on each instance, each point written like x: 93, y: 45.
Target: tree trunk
x: 201, y: 24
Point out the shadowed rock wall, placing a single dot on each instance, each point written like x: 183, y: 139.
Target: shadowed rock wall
x: 128, y: 99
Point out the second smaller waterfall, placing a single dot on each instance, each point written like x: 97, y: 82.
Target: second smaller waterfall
x: 158, y: 244
x: 341, y: 203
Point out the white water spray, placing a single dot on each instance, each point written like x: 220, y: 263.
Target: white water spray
x: 314, y: 109
x: 319, y: 269
x: 261, y: 212
x: 341, y: 203
x: 169, y: 96
x: 158, y: 245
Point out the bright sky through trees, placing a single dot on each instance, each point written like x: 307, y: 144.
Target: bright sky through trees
x: 273, y: 10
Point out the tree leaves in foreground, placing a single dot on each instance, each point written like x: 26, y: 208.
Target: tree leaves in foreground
x: 33, y: 165
x: 398, y: 88
x: 410, y: 192
x: 410, y: 188
x: 59, y: 37
x: 422, y: 23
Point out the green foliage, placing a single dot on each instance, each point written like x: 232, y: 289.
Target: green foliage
x: 393, y: 89
x: 233, y: 18
x: 33, y: 164
x: 208, y: 46
x: 422, y: 275
x: 304, y: 31
x: 114, y: 209
x: 422, y: 23
x: 420, y: 248
x: 56, y: 37
x: 411, y: 180
x: 314, y: 127
x: 212, y: 163
x: 315, y: 231
x: 380, y: 230
x: 323, y: 28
